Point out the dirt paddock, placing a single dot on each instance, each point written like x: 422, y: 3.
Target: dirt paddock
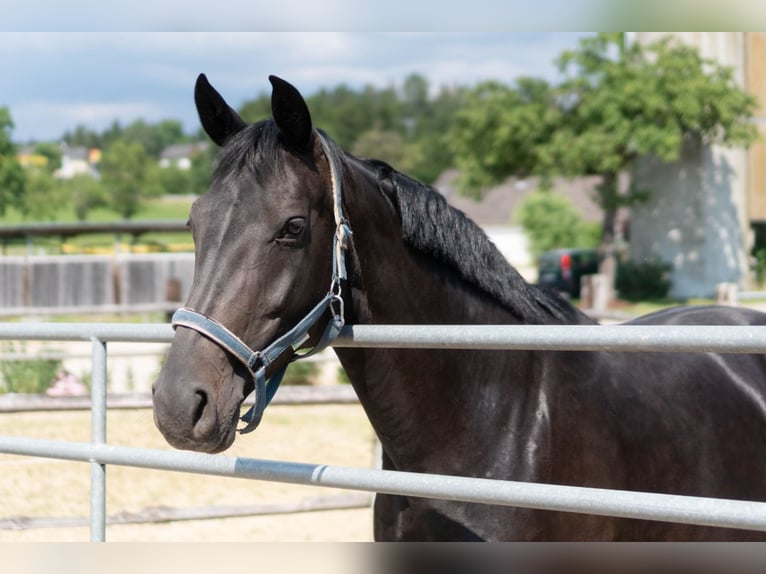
x: 37, y: 488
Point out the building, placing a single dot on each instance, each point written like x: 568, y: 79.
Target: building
x: 76, y: 160
x: 180, y: 155
x: 704, y: 208
x: 495, y: 212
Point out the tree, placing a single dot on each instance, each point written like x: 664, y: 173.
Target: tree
x: 384, y: 145
x: 12, y: 178
x: 370, y: 121
x: 128, y: 175
x: 550, y: 221
x: 52, y: 152
x: 504, y: 130
x: 643, y: 101
x: 616, y: 103
x: 43, y: 196
x: 85, y: 194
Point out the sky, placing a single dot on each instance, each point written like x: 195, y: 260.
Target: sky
x: 92, y: 62
x: 53, y: 81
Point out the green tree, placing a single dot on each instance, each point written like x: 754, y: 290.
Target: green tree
x: 175, y: 181
x: 52, y: 152
x: 43, y: 196
x: 255, y: 110
x: 358, y: 119
x: 623, y: 102
x: 154, y: 137
x: 12, y: 178
x: 85, y: 193
x: 129, y: 177
x: 504, y: 130
x: 616, y: 103
x: 379, y: 144
x: 201, y: 170
x: 551, y: 221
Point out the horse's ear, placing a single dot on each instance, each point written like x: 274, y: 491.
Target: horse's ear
x: 219, y: 120
x: 291, y: 114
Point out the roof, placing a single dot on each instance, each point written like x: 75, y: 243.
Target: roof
x: 498, y: 204
x: 179, y: 151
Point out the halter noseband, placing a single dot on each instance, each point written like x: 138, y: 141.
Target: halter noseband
x: 256, y: 362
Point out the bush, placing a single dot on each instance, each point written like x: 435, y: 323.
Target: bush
x: 645, y: 280
x: 26, y: 375
x: 759, y: 266
x: 301, y: 373
x: 551, y: 221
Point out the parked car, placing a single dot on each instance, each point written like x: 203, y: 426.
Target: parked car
x: 562, y: 268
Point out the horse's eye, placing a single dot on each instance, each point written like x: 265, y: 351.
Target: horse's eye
x: 292, y: 231
x: 294, y: 226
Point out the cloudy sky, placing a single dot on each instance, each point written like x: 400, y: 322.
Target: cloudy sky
x: 53, y: 81
x: 64, y: 63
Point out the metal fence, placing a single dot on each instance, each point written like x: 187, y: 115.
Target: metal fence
x: 51, y: 284
x: 671, y: 508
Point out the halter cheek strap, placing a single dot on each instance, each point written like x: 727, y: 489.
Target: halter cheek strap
x: 257, y: 362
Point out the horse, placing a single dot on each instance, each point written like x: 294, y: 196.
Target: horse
x: 296, y: 237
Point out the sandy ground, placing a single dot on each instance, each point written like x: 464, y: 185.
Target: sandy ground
x: 31, y: 487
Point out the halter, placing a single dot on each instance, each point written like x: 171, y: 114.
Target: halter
x: 256, y: 362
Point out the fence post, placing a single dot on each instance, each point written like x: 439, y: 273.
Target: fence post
x: 98, y: 437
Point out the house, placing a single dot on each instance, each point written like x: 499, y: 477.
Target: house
x: 27, y: 158
x: 180, y: 155
x: 495, y: 211
x: 77, y: 160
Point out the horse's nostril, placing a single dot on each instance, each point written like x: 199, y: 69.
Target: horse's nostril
x: 201, y: 404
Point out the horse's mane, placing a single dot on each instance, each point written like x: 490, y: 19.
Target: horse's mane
x: 444, y: 233
x: 243, y: 149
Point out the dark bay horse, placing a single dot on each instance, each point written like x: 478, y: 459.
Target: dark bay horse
x: 287, y: 209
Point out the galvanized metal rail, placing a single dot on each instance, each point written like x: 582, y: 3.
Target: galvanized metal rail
x: 629, y: 338
x: 693, y: 510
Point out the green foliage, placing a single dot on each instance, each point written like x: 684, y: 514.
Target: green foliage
x: 12, y: 179
x: 52, y: 152
x: 85, y: 194
x: 201, y: 170
x: 404, y: 128
x: 129, y: 176
x: 343, y: 377
x: 153, y: 138
x: 630, y: 101
x: 301, y: 373
x: 504, y: 130
x: 759, y: 266
x: 644, y: 280
x: 387, y: 146
x: 42, y: 197
x: 26, y: 375
x: 614, y: 104
x: 174, y: 180
x: 551, y: 221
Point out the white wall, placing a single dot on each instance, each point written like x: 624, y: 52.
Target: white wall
x: 696, y: 218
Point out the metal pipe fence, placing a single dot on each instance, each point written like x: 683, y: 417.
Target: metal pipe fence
x: 672, y: 508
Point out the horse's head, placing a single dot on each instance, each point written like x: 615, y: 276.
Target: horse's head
x: 263, y: 237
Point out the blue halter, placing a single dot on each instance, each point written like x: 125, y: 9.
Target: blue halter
x: 257, y: 362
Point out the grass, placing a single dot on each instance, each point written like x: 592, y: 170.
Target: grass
x: 168, y: 208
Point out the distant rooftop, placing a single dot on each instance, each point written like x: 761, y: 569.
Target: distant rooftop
x: 499, y: 203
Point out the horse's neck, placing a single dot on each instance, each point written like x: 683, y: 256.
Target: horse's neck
x: 401, y: 388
